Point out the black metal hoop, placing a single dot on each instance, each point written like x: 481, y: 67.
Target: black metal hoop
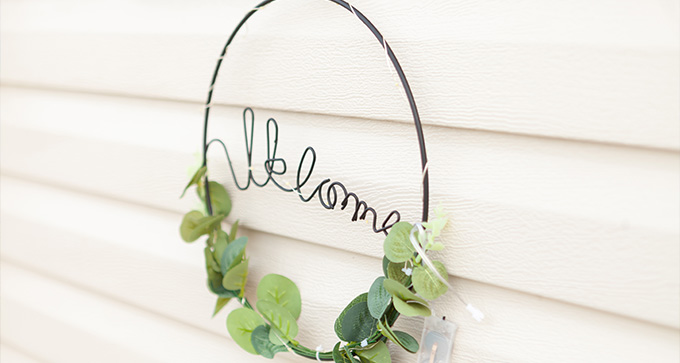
x: 397, y: 67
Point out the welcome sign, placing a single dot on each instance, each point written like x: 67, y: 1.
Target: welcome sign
x: 411, y: 279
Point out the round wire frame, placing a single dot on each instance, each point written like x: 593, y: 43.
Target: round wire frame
x: 272, y: 159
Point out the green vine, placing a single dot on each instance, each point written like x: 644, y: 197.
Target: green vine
x: 270, y: 326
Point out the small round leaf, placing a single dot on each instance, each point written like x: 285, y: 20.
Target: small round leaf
x: 236, y: 278
x: 358, y: 324
x: 233, y: 254
x: 395, y: 272
x: 281, y: 291
x: 400, y: 292
x: 241, y: 323
x: 411, y: 308
x: 260, y: 341
x: 276, y: 337
x: 426, y: 282
x: 406, y: 341
x: 377, y: 354
x: 405, y: 301
x: 215, y: 285
x: 339, y: 321
x: 219, y: 198
x: 397, y: 246
x: 194, y: 225
x: 378, y: 298
x: 279, y: 318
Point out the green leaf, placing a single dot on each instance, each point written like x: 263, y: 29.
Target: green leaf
x: 234, y: 229
x: 434, y: 228
x: 260, y: 341
x: 339, y: 321
x: 405, y: 301
x: 276, y: 337
x: 411, y: 308
x: 189, y: 223
x: 378, y: 298
x: 215, y: 277
x: 385, y: 263
x: 377, y: 354
x: 195, y: 179
x: 400, y: 338
x: 215, y: 285
x: 340, y: 356
x: 437, y: 246
x: 241, y: 323
x: 233, y: 254
x: 219, y: 198
x: 397, y: 246
x: 426, y: 282
x: 206, y: 225
x: 194, y: 225
x: 221, y: 302
x: 436, y: 224
x: 400, y: 292
x: 210, y: 263
x: 281, y: 291
x: 394, y: 272
x: 221, y: 242
x: 406, y: 341
x: 235, y: 279
x: 279, y: 318
x: 358, y: 324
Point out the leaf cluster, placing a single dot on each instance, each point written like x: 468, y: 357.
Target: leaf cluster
x: 407, y: 285
x: 271, y: 326
x: 405, y: 288
x: 404, y: 264
x: 225, y: 258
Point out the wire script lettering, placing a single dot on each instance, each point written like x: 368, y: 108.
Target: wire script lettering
x: 335, y: 192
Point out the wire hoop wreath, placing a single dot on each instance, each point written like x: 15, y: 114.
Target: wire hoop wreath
x: 405, y: 269
x: 272, y: 158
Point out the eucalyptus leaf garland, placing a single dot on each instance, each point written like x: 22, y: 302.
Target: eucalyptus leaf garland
x: 270, y: 327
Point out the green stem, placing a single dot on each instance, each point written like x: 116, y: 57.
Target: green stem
x: 392, y: 315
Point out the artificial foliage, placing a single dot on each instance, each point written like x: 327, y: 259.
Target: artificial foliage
x: 270, y: 326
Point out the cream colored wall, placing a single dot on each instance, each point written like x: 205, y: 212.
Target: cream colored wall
x: 552, y: 130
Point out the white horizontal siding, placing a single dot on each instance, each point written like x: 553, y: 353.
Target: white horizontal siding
x: 596, y: 70
x: 552, y: 131
x: 578, y: 231
x: 10, y: 354
x: 153, y: 270
x: 61, y: 323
